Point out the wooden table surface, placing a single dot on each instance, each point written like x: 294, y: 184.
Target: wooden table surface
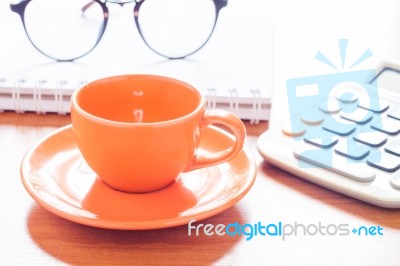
x: 31, y: 235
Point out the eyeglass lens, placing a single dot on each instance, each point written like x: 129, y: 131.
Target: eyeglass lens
x: 59, y: 28
x: 176, y: 28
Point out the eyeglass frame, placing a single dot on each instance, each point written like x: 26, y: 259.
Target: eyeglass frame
x: 20, y: 8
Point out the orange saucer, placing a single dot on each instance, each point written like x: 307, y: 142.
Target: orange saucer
x: 56, y: 176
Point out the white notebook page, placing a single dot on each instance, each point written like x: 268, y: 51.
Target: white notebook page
x: 233, y: 70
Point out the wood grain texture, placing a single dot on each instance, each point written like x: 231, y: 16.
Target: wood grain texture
x: 30, y: 235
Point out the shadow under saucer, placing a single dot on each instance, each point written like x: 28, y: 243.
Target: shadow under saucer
x: 77, y: 244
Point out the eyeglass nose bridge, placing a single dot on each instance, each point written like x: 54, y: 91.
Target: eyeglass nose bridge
x: 121, y: 2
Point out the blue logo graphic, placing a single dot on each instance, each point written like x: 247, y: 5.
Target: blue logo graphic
x: 329, y: 111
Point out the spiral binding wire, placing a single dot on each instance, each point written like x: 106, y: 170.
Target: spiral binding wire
x: 58, y: 96
x: 37, y: 96
x: 212, y: 98
x: 2, y: 81
x: 233, y: 100
x: 257, y: 108
x: 16, y: 95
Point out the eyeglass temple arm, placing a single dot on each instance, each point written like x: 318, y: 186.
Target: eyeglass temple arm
x: 89, y: 4
x: 85, y: 7
x: 219, y: 4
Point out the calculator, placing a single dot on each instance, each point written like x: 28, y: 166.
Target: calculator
x: 343, y: 134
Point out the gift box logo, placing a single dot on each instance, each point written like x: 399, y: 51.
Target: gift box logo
x: 323, y: 102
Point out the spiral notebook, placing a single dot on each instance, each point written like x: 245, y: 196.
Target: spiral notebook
x: 233, y: 70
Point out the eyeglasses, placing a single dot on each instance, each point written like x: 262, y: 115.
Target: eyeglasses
x: 66, y: 30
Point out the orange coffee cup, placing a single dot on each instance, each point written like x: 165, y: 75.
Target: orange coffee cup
x: 139, y: 132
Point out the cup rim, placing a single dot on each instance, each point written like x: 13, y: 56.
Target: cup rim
x: 75, y: 105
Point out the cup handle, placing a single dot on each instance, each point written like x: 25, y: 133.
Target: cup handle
x: 238, y: 129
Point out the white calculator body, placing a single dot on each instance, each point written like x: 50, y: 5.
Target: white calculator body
x: 343, y: 134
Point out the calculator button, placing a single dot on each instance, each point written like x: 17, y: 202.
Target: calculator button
x: 294, y: 129
x: 373, y: 138
x: 322, y: 142
x: 387, y: 125
x: 338, y: 128
x: 393, y: 147
x: 359, y: 116
x: 375, y: 105
x: 395, y: 180
x: 394, y: 113
x: 352, y: 149
x: 321, y: 157
x: 331, y: 106
x: 312, y: 117
x: 347, y: 97
x: 384, y: 161
x: 320, y: 138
